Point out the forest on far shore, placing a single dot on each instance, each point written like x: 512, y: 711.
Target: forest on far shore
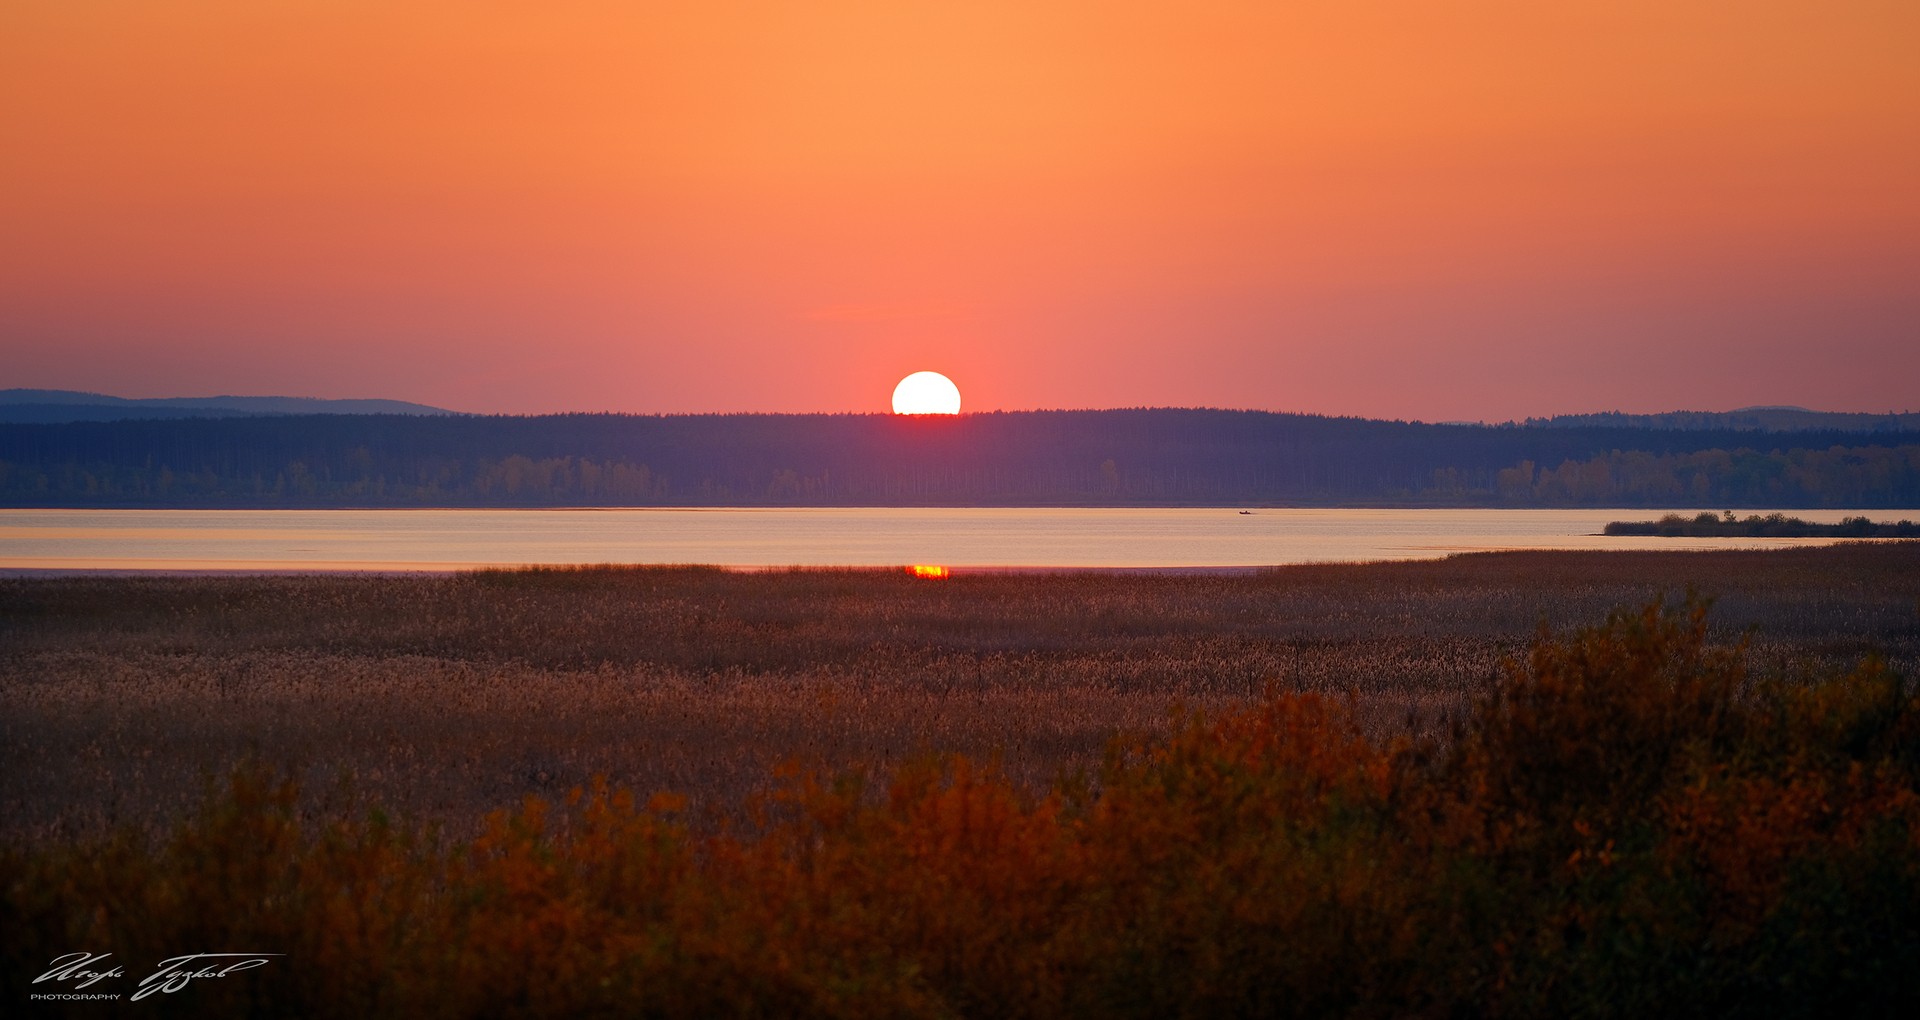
x: 1135, y: 457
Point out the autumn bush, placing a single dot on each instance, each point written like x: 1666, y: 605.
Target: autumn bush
x: 1628, y: 824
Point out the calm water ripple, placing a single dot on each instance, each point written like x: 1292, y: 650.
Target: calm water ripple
x: 279, y: 540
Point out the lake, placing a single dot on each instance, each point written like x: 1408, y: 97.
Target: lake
x: 407, y: 540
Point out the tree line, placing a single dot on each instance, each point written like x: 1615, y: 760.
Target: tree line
x: 1161, y: 456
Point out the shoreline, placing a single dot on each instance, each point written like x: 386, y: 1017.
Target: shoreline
x: 1763, y: 543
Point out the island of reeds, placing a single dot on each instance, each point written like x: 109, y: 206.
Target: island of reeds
x: 1538, y: 784
x: 1773, y: 525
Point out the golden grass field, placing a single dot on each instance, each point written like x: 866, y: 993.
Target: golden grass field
x: 445, y: 696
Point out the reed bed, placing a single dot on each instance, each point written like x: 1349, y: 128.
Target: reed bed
x: 447, y: 696
x: 1628, y: 821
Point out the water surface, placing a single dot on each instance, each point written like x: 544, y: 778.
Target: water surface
x: 301, y: 540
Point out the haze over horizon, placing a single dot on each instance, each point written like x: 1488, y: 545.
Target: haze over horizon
x: 1475, y: 210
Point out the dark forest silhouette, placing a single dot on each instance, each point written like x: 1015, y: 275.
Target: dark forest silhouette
x: 1115, y: 457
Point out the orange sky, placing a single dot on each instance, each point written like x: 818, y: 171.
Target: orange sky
x: 1396, y: 208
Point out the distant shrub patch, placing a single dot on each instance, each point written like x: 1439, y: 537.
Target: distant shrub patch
x: 1773, y: 525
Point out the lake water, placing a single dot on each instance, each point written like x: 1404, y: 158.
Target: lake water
x: 393, y: 540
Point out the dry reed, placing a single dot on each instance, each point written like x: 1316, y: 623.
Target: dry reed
x: 445, y: 696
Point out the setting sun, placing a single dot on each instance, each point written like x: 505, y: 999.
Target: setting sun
x: 926, y: 393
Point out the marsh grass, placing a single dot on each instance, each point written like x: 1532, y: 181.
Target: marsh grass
x: 1626, y: 821
x: 446, y: 696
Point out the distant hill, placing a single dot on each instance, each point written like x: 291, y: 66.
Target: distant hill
x: 1745, y: 419
x: 1138, y: 457
x: 25, y: 406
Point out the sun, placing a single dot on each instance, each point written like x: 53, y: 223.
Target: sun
x: 926, y: 393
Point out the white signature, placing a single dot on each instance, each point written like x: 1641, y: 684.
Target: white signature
x: 173, y: 974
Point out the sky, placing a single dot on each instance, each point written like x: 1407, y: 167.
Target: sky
x: 1420, y: 209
